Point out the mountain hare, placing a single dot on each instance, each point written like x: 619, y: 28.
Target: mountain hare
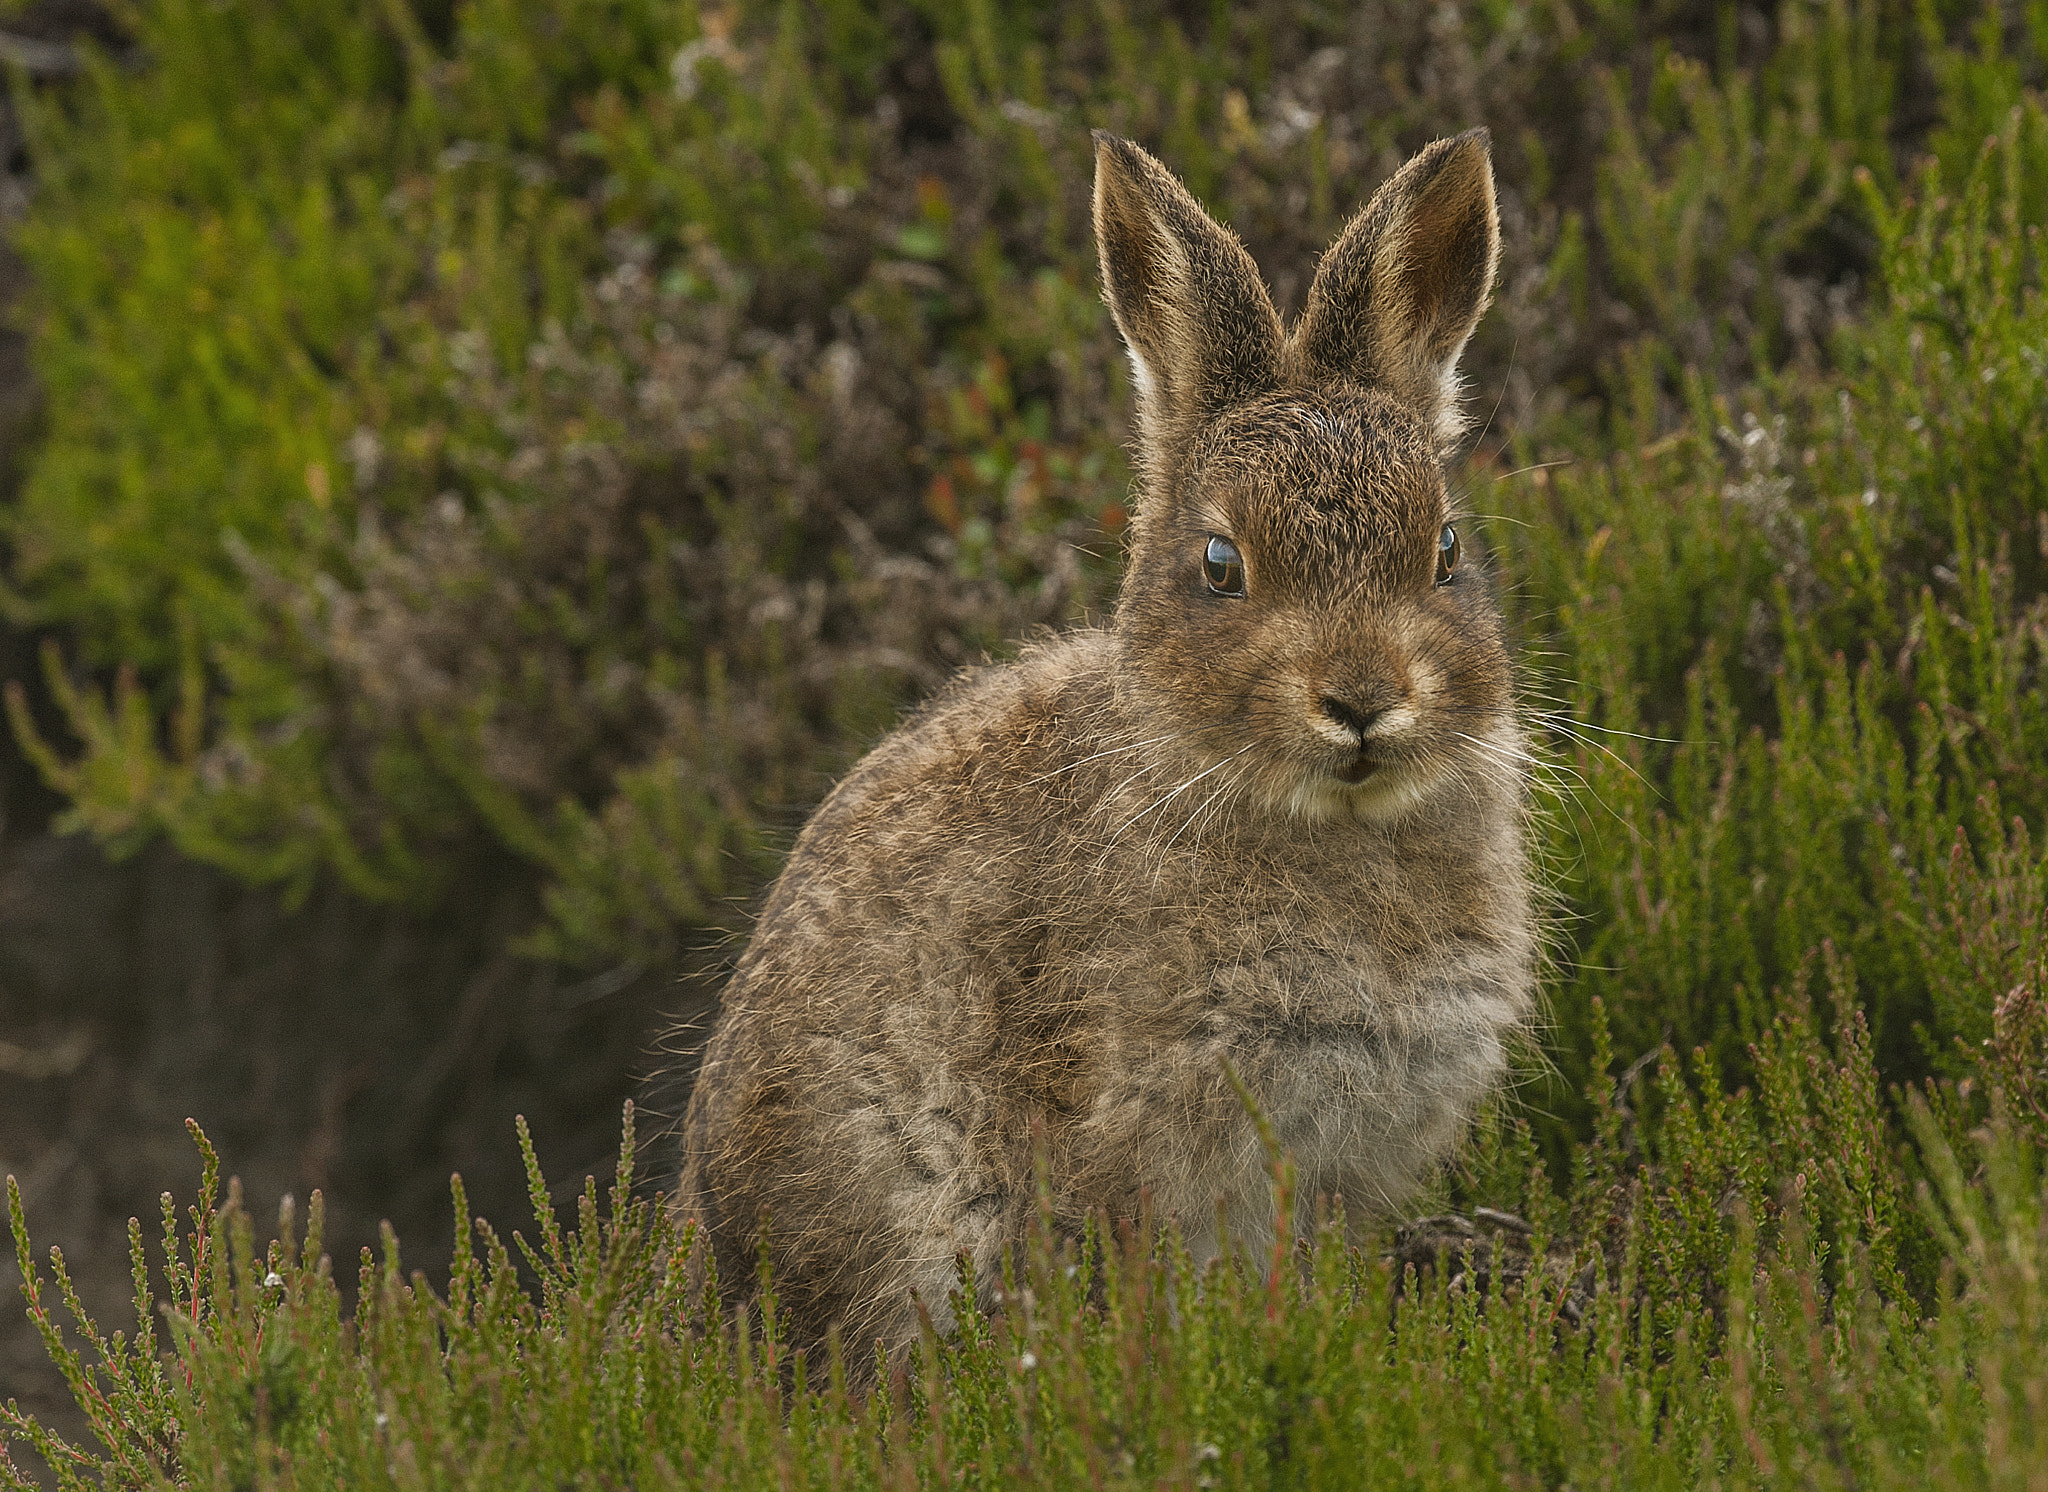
x: 1272, y: 814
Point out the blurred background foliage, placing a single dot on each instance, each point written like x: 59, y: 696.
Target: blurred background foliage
x: 566, y: 433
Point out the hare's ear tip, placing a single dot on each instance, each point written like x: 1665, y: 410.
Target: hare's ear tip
x: 1461, y: 166
x: 1462, y: 155
x: 1114, y: 151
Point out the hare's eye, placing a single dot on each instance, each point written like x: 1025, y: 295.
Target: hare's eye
x: 1223, y: 566
x: 1446, y: 554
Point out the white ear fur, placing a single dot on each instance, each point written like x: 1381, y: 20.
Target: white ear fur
x: 1142, y: 379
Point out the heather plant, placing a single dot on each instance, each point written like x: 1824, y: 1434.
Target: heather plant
x: 1735, y: 1314
x: 1805, y: 659
x: 806, y: 290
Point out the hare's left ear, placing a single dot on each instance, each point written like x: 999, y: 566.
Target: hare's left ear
x: 1202, y: 332
x: 1398, y: 294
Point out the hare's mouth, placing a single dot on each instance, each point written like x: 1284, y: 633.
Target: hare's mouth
x: 1359, y: 769
x: 1360, y: 788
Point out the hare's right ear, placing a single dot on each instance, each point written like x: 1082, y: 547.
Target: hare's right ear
x: 1399, y: 293
x: 1202, y: 332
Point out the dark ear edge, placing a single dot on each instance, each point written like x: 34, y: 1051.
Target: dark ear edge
x: 1194, y: 314
x: 1398, y: 295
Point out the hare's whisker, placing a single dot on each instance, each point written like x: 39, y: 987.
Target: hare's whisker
x: 1172, y: 735
x: 1539, y: 766
x: 1569, y: 730
x: 1513, y: 753
x: 1484, y: 430
x: 1536, y: 466
x: 1559, y: 776
x: 1169, y: 797
x: 1609, y: 730
x: 1200, y: 816
x: 1151, y: 766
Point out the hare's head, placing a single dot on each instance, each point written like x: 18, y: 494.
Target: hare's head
x: 1297, y: 602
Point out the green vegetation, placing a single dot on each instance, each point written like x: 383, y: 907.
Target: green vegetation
x: 570, y: 431
x: 1767, y: 1341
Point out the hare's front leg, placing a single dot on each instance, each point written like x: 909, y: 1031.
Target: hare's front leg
x: 936, y: 1181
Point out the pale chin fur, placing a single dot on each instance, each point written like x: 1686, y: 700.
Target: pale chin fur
x: 1309, y: 795
x: 1387, y: 797
x: 1390, y: 795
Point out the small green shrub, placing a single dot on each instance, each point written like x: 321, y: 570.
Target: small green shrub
x: 1807, y: 667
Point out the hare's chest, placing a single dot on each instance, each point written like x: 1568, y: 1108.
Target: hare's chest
x: 1366, y: 1061
x: 1344, y: 1042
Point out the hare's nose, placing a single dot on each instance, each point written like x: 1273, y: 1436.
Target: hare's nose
x: 1357, y: 719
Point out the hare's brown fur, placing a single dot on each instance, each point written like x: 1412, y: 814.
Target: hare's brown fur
x: 1283, y: 829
